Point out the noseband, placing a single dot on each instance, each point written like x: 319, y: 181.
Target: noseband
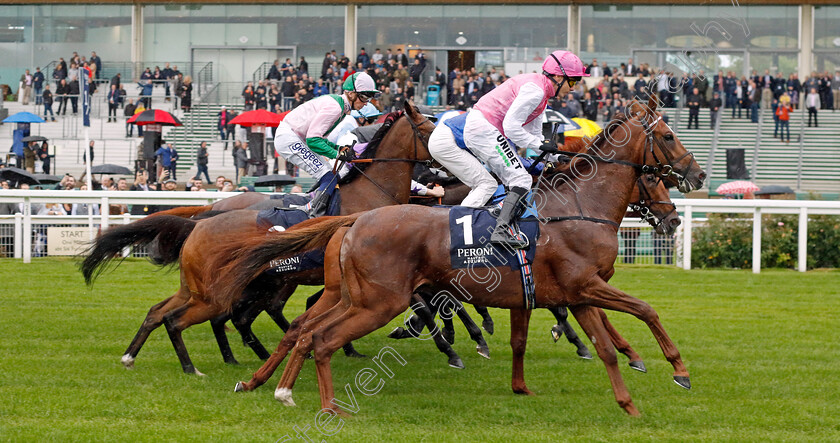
x: 646, y: 202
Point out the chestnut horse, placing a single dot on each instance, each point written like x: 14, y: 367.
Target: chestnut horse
x: 652, y: 201
x: 383, y: 180
x: 370, y: 280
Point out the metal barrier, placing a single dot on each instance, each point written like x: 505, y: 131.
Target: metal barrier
x: 637, y: 242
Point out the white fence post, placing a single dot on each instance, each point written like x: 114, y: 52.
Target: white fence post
x: 126, y: 220
x: 756, y: 248
x: 802, y: 263
x: 27, y: 230
x: 687, y: 238
x: 104, y: 212
x: 18, y: 235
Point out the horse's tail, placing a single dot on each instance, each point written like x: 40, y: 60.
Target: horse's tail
x: 110, y: 243
x: 184, y: 211
x: 253, y: 254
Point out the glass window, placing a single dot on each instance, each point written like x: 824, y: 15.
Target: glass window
x: 456, y: 26
x: 610, y: 31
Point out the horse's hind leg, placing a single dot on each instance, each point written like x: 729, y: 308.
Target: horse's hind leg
x: 179, y: 319
x: 563, y: 327
x: 152, y: 321
x: 519, y: 319
x: 323, y: 304
x: 621, y: 344
x: 218, y: 325
x: 486, y: 320
x: 591, y: 323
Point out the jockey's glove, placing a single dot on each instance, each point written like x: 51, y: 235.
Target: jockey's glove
x: 345, y: 154
x: 548, y: 146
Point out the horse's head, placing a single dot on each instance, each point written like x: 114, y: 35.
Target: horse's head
x: 421, y: 128
x: 653, y: 201
x: 664, y: 154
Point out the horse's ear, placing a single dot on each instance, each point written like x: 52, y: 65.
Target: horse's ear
x: 376, y: 104
x: 410, y: 109
x: 636, y: 108
x: 653, y: 101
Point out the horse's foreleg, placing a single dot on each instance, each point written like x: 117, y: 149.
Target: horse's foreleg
x: 425, y: 314
x: 519, y: 320
x: 278, y: 302
x: 448, y: 329
x: 602, y: 295
x: 591, y: 323
x: 218, y: 325
x: 486, y: 320
x: 621, y: 344
x: 153, y: 320
x: 242, y: 321
x: 475, y: 333
x: 563, y: 327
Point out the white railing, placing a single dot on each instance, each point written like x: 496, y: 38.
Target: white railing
x: 634, y: 237
x: 804, y: 208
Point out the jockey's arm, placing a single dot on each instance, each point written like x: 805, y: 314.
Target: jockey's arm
x: 420, y: 189
x: 322, y: 121
x: 529, y: 97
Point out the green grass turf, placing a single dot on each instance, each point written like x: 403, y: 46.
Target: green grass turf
x: 761, y: 350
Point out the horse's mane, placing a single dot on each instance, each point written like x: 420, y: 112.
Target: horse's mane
x: 370, y: 151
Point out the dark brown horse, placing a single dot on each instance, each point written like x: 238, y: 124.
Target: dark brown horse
x: 373, y: 268
x: 383, y: 181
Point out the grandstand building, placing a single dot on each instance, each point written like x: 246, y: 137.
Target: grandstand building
x: 224, y: 44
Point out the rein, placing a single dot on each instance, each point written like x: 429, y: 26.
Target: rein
x: 660, y: 170
x: 415, y: 128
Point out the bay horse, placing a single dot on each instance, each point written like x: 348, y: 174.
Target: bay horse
x: 381, y: 179
x: 378, y: 259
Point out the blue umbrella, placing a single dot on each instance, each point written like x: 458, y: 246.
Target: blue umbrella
x: 24, y: 117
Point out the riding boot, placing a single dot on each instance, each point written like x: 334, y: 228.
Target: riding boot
x: 507, y: 218
x: 321, y: 202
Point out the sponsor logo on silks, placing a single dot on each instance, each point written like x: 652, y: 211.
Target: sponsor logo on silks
x: 503, y: 148
x: 307, y: 155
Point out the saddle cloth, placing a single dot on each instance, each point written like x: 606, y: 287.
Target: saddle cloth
x: 469, y: 235
x: 279, y: 219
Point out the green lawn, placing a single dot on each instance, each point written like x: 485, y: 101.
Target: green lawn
x: 762, y: 352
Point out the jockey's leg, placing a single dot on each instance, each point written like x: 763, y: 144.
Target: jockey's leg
x: 463, y: 165
x: 293, y: 149
x: 492, y: 148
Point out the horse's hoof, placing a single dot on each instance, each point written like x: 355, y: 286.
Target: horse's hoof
x: 638, y: 365
x: 240, y: 387
x: 198, y: 373
x: 483, y: 350
x: 284, y: 395
x: 355, y: 354
x: 449, y: 335
x: 584, y: 353
x: 523, y: 391
x: 397, y: 333
x: 127, y: 361
x: 556, y: 332
x: 682, y: 381
x: 231, y: 362
x: 455, y: 362
x: 488, y: 326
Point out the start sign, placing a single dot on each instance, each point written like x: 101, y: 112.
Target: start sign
x: 67, y: 240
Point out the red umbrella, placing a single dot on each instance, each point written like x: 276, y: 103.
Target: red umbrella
x: 260, y: 117
x: 737, y: 187
x: 154, y: 117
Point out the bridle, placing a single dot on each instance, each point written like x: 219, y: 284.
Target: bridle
x: 662, y: 170
x: 418, y: 135
x: 646, y: 202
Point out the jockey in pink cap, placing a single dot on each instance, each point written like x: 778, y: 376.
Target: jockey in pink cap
x: 301, y: 137
x: 512, y: 112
